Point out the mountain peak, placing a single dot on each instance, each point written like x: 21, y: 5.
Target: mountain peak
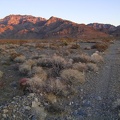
x: 53, y: 19
x: 17, y: 19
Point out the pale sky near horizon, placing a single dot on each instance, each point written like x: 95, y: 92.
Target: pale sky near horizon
x: 79, y: 11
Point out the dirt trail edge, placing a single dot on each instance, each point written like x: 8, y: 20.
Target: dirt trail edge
x: 104, y: 87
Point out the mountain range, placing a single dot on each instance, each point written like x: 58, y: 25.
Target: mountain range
x: 30, y: 27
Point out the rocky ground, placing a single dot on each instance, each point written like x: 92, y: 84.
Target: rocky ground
x: 96, y: 99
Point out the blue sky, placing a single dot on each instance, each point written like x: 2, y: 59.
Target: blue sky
x: 80, y: 11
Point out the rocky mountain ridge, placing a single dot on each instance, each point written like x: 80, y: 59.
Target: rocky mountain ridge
x: 30, y: 27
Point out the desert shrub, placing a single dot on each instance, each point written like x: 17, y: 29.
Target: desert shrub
x: 58, y: 63
x: 74, y: 46
x: 30, y: 62
x: 100, y: 46
x: 55, y: 86
x: 38, y: 71
x: 36, y: 84
x: 92, y: 67
x: 84, y: 58
x: 72, y: 76
x: 20, y: 59
x: 39, y: 45
x: 95, y: 57
x: 24, y: 69
x: 29, y: 44
x: 44, y: 62
x: 51, y: 98
x: 2, y: 48
x: 1, y: 74
x: 14, y: 55
x: 80, y: 66
x: 10, y: 51
x: 12, y: 46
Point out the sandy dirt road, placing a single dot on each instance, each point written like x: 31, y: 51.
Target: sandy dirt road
x: 103, y: 88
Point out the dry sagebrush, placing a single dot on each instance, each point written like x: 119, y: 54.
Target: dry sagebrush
x: 20, y: 59
x: 96, y: 57
x: 26, y: 67
x: 84, y: 58
x: 80, y: 66
x: 39, y: 72
x: 100, y: 46
x: 72, y: 76
x: 92, y: 67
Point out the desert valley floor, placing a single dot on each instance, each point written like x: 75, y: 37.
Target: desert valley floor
x: 52, y: 90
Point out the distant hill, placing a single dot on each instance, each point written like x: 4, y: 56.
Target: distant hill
x: 106, y: 28
x: 116, y: 33
x: 30, y: 27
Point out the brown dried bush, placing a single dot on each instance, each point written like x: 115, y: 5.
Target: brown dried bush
x: 92, y: 67
x: 84, y: 58
x: 100, y: 46
x: 80, y: 66
x: 72, y: 76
